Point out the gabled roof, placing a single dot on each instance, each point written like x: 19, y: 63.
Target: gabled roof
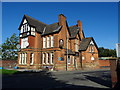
x: 73, y: 31
x: 52, y: 28
x: 35, y: 23
x: 85, y: 43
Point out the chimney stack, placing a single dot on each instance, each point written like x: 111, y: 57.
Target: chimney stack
x: 62, y: 19
x: 79, y: 23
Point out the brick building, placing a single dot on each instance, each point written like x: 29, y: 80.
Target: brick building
x: 56, y: 46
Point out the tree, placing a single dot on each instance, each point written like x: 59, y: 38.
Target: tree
x: 9, y: 50
x: 106, y: 52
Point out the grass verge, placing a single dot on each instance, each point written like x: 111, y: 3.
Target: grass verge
x: 7, y: 72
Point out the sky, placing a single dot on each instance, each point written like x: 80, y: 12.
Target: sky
x: 99, y: 19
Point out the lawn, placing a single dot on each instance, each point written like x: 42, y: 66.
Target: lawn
x: 8, y: 72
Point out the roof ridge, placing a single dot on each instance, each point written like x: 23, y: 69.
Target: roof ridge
x: 53, y: 23
x: 73, y: 26
x: 34, y: 19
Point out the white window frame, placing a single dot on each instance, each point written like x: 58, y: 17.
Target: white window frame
x: 48, y: 42
x: 23, y: 58
x: 91, y: 46
x: 51, y: 58
x: 21, y: 31
x: 24, y: 42
x: 83, y: 58
x: 73, y: 59
x: 28, y: 27
x: 32, y: 55
x: 25, y: 55
x: 69, y: 59
x: 47, y: 58
x: 44, y: 42
x: 52, y: 41
x: 20, y: 59
x: 43, y: 58
x: 92, y: 58
x: 32, y: 31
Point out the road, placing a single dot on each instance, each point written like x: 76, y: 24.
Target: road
x: 98, y: 79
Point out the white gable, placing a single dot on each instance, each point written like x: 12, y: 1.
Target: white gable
x: 24, y: 21
x: 91, y: 42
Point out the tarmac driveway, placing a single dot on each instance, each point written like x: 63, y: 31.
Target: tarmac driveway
x: 99, y: 79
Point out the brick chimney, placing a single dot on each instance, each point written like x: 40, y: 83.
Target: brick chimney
x: 62, y: 20
x: 79, y: 23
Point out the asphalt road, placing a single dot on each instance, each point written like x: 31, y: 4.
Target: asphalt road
x: 98, y: 79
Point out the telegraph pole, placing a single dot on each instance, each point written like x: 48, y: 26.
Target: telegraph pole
x: 67, y: 52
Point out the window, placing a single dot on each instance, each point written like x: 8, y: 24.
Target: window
x: 92, y: 58
x: 28, y: 27
x: 73, y: 59
x: 52, y: 41
x: 25, y: 29
x: 68, y: 59
x: 23, y: 58
x: 83, y: 58
x: 51, y: 58
x: 21, y: 29
x: 31, y: 58
x: 76, y: 45
x: 20, y: 62
x: 32, y: 31
x: 24, y: 42
x: 46, y: 58
x: 91, y: 46
x: 44, y: 42
x: 43, y: 58
x: 48, y: 42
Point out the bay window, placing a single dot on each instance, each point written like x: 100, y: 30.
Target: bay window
x: 23, y: 58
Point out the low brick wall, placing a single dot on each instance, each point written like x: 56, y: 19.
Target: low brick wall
x: 104, y: 63
x: 8, y: 63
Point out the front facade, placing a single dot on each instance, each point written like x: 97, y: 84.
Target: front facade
x: 56, y: 46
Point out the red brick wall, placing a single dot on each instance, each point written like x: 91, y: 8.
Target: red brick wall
x: 8, y: 63
x: 104, y: 63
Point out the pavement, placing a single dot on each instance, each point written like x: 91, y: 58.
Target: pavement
x: 95, y: 79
